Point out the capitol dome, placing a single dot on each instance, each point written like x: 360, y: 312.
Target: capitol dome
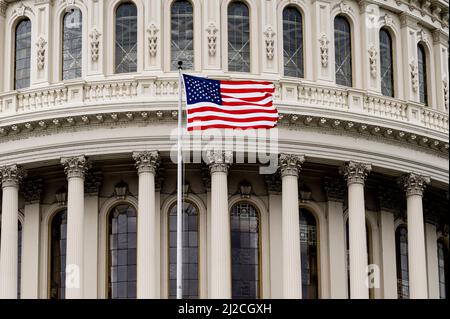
x: 357, y: 204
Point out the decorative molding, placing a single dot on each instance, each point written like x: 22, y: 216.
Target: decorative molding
x: 40, y: 52
x: 373, y: 60
x: 31, y: 189
x: 146, y: 161
x: 343, y: 7
x: 387, y: 20
x: 323, y: 41
x: 356, y: 172
x: 93, y: 182
x: 12, y: 175
x: 76, y: 166
x: 95, y: 44
x: 422, y: 35
x: 70, y: 3
x: 20, y: 10
x: 152, y: 31
x: 335, y: 188
x: 270, y: 42
x: 3, y: 7
x: 445, y: 90
x: 219, y: 160
x: 414, y: 184
x: 414, y: 74
x: 211, y: 34
x: 290, y: 164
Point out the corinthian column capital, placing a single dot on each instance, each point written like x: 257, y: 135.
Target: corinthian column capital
x: 146, y: 161
x: 414, y: 184
x: 75, y: 166
x: 12, y: 175
x: 356, y: 172
x: 219, y: 161
x: 291, y: 164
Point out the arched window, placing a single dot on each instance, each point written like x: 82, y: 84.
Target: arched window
x: 238, y: 37
x: 443, y: 269
x: 245, y: 251
x: 309, y: 251
x: 422, y: 68
x: 292, y: 42
x: 386, y: 68
x: 72, y: 44
x: 22, y: 56
x: 190, y: 251
x: 401, y: 250
x: 343, y: 51
x: 182, y: 34
x: 19, y: 255
x: 122, y: 252
x: 58, y: 244
x: 126, y: 38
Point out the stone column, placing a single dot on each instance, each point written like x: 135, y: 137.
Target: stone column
x: 335, y: 192
x: 10, y: 177
x: 31, y: 190
x: 146, y: 164
x: 356, y: 174
x: 290, y: 166
x: 75, y: 168
x: 219, y: 163
x: 432, y: 260
x: 414, y: 186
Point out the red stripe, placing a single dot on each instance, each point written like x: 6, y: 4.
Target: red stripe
x: 230, y: 119
x: 214, y: 109
x: 219, y: 126
x: 238, y: 90
x: 244, y: 82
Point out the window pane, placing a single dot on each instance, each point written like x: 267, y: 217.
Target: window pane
x: 342, y: 51
x: 401, y: 248
x: 190, y: 251
x: 238, y: 37
x: 182, y: 35
x: 245, y: 251
x: 122, y: 252
x: 309, y: 259
x: 72, y: 44
x: 58, y: 235
x: 387, y: 75
x: 126, y: 38
x: 22, y: 54
x: 292, y: 42
x: 422, y: 65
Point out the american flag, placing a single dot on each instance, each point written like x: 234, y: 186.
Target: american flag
x: 229, y: 104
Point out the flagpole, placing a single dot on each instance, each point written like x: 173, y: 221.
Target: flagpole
x: 179, y: 188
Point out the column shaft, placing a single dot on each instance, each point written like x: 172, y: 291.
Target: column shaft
x: 389, y: 280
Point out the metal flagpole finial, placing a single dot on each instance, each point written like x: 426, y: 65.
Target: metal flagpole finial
x: 180, y: 65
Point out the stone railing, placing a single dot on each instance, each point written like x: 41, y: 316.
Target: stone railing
x: 290, y: 94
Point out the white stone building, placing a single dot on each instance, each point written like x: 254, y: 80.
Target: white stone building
x: 88, y: 100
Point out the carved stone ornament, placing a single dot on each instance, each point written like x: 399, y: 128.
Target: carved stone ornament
x: 387, y: 20
x: 218, y: 160
x: 3, y: 6
x: 373, y: 61
x: 152, y: 31
x: 12, y: 175
x: 70, y: 2
x: 40, y: 53
x: 356, y: 172
x: 290, y: 164
x: 445, y: 88
x: 95, y: 44
x: 75, y: 166
x: 414, y: 184
x: 269, y: 36
x: 414, y: 75
x: 146, y: 161
x: 211, y: 34
x: 323, y: 41
x: 343, y: 7
x: 20, y: 10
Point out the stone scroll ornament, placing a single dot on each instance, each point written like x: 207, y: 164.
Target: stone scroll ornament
x: 41, y: 45
x: 323, y: 41
x: 373, y: 61
x: 211, y: 33
x: 95, y: 44
x: 270, y: 42
x: 152, y: 31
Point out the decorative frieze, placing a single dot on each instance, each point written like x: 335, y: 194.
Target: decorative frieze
x: 323, y: 46
x: 269, y: 38
x: 356, y: 172
x: 219, y: 160
x: 290, y: 164
x: 335, y: 188
x: 12, y: 175
x: 75, y: 167
x: 211, y: 35
x: 93, y: 182
x: 95, y: 44
x: 146, y: 161
x: 414, y: 184
x: 31, y: 189
x: 152, y: 31
x: 40, y: 52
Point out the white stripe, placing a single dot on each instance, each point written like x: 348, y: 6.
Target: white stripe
x: 227, y: 107
x: 265, y: 101
x: 239, y: 124
x: 245, y: 95
x: 247, y: 86
x: 238, y: 116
